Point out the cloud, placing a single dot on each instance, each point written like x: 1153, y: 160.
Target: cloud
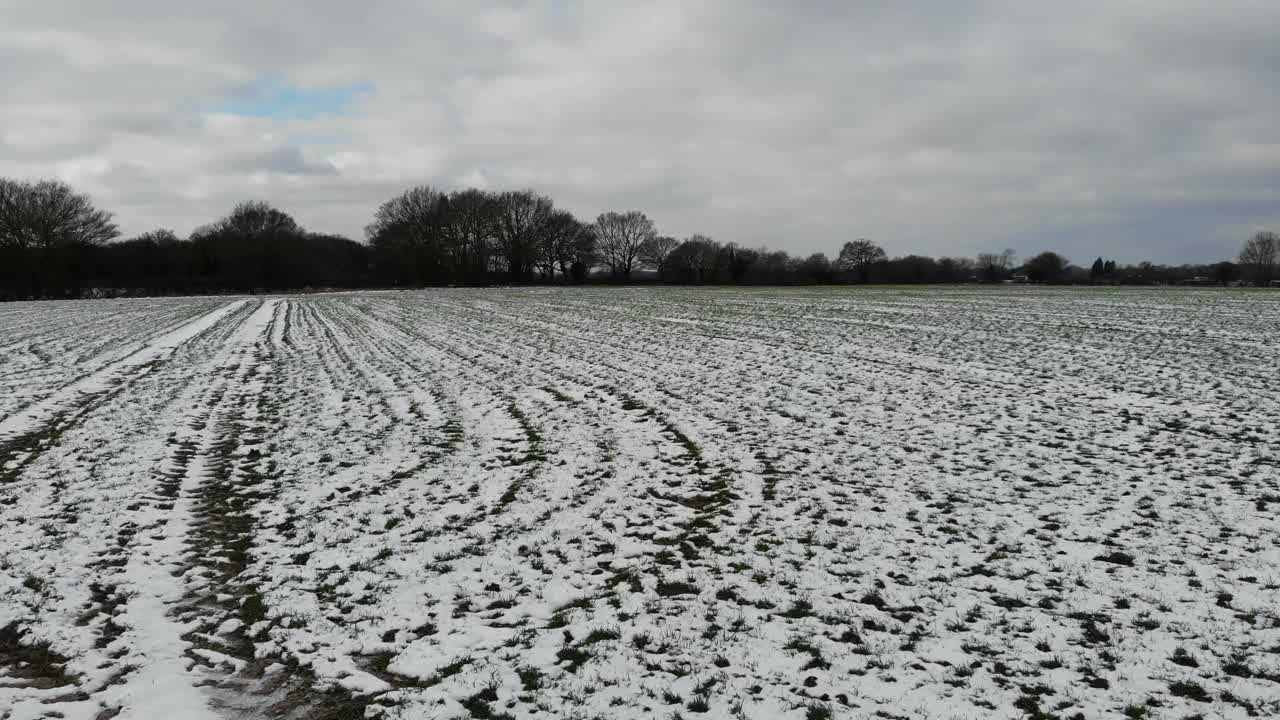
x: 937, y: 127
x: 281, y: 159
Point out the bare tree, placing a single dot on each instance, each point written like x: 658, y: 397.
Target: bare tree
x: 858, y: 256
x: 585, y: 255
x: 49, y: 214
x: 737, y: 261
x: 522, y: 222
x: 406, y: 236
x: 1008, y: 259
x: 619, y: 237
x: 254, y: 247
x: 994, y: 267
x: 773, y: 267
x: 258, y: 219
x: 560, y: 244
x: 702, y: 253
x: 13, y: 202
x: 48, y: 235
x: 956, y: 269
x: 417, y: 208
x: 470, y: 229
x: 656, y: 251
x: 1260, y: 255
x: 816, y: 269
x: 159, y: 236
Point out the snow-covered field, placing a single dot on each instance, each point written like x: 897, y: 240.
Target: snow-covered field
x: 639, y: 503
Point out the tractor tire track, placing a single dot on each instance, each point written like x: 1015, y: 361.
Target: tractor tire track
x: 24, y: 432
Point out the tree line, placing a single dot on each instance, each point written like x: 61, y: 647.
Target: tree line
x: 54, y: 243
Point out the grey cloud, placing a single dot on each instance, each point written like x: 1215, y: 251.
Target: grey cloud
x: 938, y: 127
x: 284, y: 159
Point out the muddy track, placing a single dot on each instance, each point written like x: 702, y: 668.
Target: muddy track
x: 168, y: 604
x: 223, y: 607
x: 26, y: 661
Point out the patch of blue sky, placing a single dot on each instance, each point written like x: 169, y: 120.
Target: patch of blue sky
x: 275, y: 98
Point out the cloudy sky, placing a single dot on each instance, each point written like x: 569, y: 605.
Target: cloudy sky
x: 1125, y: 128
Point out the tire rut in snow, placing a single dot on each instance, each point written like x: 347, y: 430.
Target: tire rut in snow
x: 168, y: 578
x: 224, y: 607
x: 26, y: 662
x: 26, y: 433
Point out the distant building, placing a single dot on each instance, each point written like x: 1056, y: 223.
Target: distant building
x: 1198, y: 280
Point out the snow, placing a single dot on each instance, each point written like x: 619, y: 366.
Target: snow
x: 967, y: 502
x: 104, y: 378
